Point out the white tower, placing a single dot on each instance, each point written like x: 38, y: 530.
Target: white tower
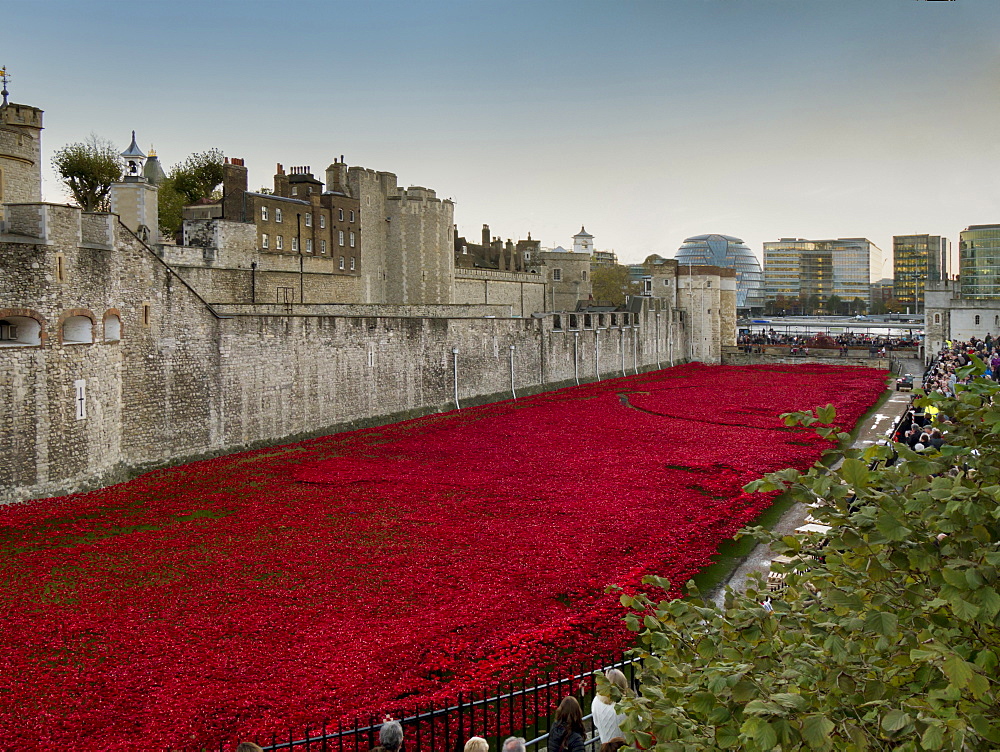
x: 583, y: 242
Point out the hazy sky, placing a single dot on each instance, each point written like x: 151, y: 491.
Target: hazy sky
x: 647, y: 122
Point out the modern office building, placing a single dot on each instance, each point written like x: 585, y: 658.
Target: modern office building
x: 979, y: 262
x: 796, y: 268
x: 730, y: 253
x: 917, y: 260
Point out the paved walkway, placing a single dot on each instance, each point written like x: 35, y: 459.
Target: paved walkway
x: 876, y: 427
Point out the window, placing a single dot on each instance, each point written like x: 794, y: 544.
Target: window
x: 78, y: 330
x: 556, y: 275
x: 277, y: 215
x: 20, y: 331
x: 147, y: 314
x: 263, y: 213
x: 295, y: 191
x: 322, y: 221
x: 585, y: 276
x: 352, y: 263
x: 557, y: 322
x: 340, y: 237
x: 587, y: 322
x: 937, y: 318
x: 341, y: 262
x: 322, y: 246
x: 352, y: 215
x: 666, y: 283
x: 309, y: 219
x: 309, y: 245
x: 112, y: 328
x: 60, y: 267
x: 295, y: 244
x: 352, y: 240
x: 279, y: 242
x: 80, y: 398
x: 977, y: 319
x: 340, y: 214
x: 264, y: 241
x: 708, y: 284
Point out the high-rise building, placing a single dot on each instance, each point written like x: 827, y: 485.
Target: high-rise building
x: 979, y: 262
x: 917, y: 260
x: 795, y: 268
x: 729, y: 253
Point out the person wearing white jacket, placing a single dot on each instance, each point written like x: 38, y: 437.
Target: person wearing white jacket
x: 607, y: 721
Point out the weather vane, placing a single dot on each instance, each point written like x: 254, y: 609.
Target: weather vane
x: 6, y: 79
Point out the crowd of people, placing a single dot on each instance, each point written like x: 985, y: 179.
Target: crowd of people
x: 771, y: 338
x: 927, y: 428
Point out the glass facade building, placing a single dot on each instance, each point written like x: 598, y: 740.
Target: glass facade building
x: 979, y: 262
x: 918, y: 259
x: 731, y: 253
x: 795, y: 268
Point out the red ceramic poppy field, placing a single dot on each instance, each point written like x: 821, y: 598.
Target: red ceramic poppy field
x: 244, y: 594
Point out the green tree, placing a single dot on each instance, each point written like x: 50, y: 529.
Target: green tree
x: 833, y: 304
x: 88, y: 168
x: 188, y: 182
x: 611, y: 284
x: 812, y: 304
x: 886, y: 636
x: 858, y: 306
x: 198, y: 176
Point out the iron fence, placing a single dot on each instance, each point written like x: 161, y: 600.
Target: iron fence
x: 523, y: 708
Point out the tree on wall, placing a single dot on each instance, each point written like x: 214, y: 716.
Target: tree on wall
x: 88, y: 168
x: 188, y: 182
x: 611, y: 284
x: 886, y: 636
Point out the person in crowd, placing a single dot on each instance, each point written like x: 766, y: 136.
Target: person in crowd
x: 567, y: 732
x: 477, y: 744
x: 607, y: 721
x: 514, y: 744
x: 390, y: 736
x: 248, y: 747
x: 614, y: 745
x: 936, y: 439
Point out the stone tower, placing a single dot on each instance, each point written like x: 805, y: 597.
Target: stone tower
x: 134, y: 199
x: 20, y: 151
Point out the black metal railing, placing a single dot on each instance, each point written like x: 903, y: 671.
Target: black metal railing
x: 523, y: 708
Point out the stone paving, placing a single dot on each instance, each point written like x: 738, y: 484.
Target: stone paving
x: 876, y: 427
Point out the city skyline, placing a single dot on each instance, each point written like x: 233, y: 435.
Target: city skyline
x: 646, y: 122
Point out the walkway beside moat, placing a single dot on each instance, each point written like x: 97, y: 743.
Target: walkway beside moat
x: 875, y: 427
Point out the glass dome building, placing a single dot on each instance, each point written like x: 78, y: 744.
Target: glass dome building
x: 732, y: 253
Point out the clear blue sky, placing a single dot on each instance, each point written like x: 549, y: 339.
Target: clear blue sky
x: 647, y: 122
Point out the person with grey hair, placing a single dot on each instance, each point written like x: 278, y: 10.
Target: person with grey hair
x: 390, y: 736
x: 514, y: 744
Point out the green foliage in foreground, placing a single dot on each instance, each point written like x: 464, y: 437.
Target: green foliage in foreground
x: 889, y: 642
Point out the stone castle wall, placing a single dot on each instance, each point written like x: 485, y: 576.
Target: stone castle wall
x: 524, y: 293
x: 183, y: 382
